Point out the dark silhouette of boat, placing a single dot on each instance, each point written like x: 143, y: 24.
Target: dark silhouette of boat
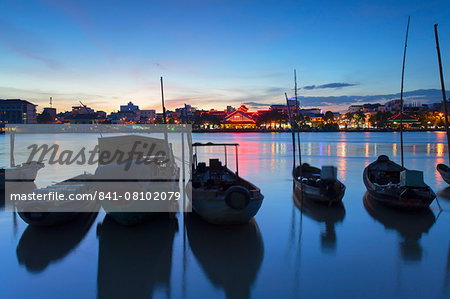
x: 444, y: 171
x: 312, y: 185
x: 329, y: 215
x: 151, y: 169
x: 48, y: 213
x: 134, y: 260
x: 40, y: 246
x: 410, y: 225
x: 230, y: 255
x: 221, y: 196
x: 382, y: 180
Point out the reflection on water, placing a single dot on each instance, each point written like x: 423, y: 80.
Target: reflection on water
x: 330, y: 215
x: 134, y: 260
x: 40, y: 246
x: 230, y: 255
x: 410, y: 226
x: 308, y: 252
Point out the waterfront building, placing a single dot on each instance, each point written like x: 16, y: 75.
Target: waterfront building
x: 239, y: 119
x: 147, y: 116
x: 130, y: 107
x: 16, y: 111
x: 354, y: 108
x: 393, y: 106
x: 408, y: 120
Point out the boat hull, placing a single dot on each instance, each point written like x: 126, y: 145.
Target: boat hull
x: 444, y: 171
x: 319, y: 194
x: 213, y: 208
x: 396, y: 196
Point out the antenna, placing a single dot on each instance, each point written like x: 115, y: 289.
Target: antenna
x: 401, y: 93
x: 51, y: 104
x: 162, y: 100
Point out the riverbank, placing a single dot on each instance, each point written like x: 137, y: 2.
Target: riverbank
x: 308, y: 130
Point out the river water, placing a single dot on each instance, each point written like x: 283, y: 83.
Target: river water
x: 360, y: 250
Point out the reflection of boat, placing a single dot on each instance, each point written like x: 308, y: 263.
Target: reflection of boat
x: 445, y: 193
x: 220, y: 195
x: 383, y: 182
x: 330, y: 215
x: 140, y: 168
x: 230, y: 255
x: 317, y: 187
x: 40, y: 246
x: 410, y: 225
x: 55, y: 212
x: 134, y: 260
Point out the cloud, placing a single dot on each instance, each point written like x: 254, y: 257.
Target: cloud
x: 329, y: 85
x: 256, y: 105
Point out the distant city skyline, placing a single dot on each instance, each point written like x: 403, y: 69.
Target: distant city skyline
x: 217, y: 53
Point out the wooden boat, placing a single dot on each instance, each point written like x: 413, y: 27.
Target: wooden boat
x: 319, y: 185
x: 155, y: 173
x: 382, y: 180
x: 409, y: 225
x: 50, y: 213
x: 230, y: 255
x: 444, y: 171
x: 392, y: 184
x: 221, y: 196
x: 312, y: 184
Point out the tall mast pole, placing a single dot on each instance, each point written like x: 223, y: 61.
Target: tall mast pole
x: 444, y: 98
x: 298, y: 112
x: 401, y: 94
x: 292, y: 129
x: 162, y: 100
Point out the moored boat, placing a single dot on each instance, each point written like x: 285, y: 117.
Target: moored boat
x: 56, y: 212
x: 221, y: 196
x: 444, y: 171
x: 149, y: 169
x: 393, y: 185
x: 319, y: 185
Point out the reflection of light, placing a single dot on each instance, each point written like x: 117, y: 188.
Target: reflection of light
x: 367, y: 150
x: 343, y: 152
x: 375, y: 149
x: 428, y: 149
x: 329, y: 150
x: 437, y: 175
x: 394, y: 149
x: 440, y: 149
x: 414, y: 149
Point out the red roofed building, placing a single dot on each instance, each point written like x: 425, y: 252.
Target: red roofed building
x: 240, y: 119
x: 406, y: 119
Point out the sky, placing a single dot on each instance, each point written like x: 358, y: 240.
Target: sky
x: 215, y: 53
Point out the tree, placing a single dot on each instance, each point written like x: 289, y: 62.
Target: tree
x: 328, y: 117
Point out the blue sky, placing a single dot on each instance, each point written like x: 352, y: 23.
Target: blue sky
x: 214, y: 53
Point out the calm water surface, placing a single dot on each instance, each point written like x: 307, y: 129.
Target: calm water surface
x: 359, y: 250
